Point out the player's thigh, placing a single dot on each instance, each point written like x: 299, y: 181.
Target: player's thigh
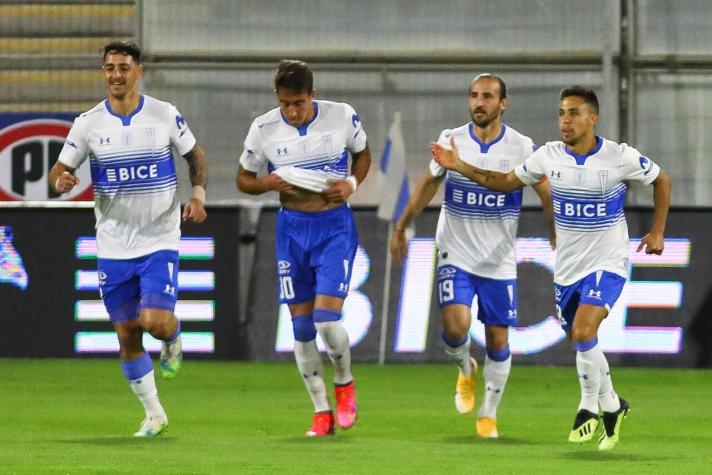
x: 455, y: 286
x: 496, y: 301
x: 158, y: 274
x: 119, y: 288
x: 457, y: 319
x: 295, y: 277
x: 567, y: 299
x: 333, y: 259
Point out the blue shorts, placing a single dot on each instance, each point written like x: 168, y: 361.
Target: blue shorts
x: 496, y: 299
x: 315, y: 253
x: 128, y: 285
x: 598, y: 288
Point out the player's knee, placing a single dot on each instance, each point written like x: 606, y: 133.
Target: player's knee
x: 304, y: 328
x: 130, y: 341
x: 453, y: 332
x: 160, y: 324
x: 581, y: 333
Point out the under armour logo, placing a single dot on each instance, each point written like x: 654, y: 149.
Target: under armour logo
x: 555, y: 174
x: 594, y: 293
x: 170, y: 290
x: 512, y: 313
x: 281, y: 151
x: 104, y: 140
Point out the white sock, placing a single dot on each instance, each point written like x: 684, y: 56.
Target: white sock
x: 461, y: 355
x: 337, y: 344
x: 495, y: 374
x: 309, y: 363
x: 589, y: 373
x: 145, y: 389
x: 607, y: 397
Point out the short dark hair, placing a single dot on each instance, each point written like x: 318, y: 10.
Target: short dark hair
x: 502, y: 85
x: 294, y: 75
x: 124, y: 47
x: 585, y: 93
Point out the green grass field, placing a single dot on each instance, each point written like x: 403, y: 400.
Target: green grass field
x: 77, y: 416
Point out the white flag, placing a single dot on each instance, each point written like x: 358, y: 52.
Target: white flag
x: 395, y: 191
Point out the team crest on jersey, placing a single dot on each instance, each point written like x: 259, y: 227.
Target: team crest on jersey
x: 580, y: 177
x: 603, y: 179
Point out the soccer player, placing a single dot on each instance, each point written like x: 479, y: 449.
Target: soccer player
x: 128, y: 139
x: 305, y: 144
x: 475, y: 238
x: 587, y: 174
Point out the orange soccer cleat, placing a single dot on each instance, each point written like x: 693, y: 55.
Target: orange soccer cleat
x: 322, y: 425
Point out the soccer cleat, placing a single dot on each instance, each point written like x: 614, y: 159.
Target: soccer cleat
x: 346, y: 407
x: 171, y: 358
x: 487, y: 428
x: 322, y: 425
x: 612, y: 425
x: 152, y: 427
x: 465, y: 390
x: 585, y: 426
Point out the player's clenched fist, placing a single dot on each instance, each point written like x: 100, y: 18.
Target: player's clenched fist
x: 65, y: 182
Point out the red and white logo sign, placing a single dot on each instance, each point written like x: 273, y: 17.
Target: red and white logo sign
x: 28, y: 150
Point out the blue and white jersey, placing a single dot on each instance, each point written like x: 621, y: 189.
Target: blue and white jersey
x: 588, y: 193
x: 323, y: 144
x: 477, y: 226
x: 133, y: 174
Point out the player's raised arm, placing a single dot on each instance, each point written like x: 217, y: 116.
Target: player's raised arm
x: 450, y: 159
x: 61, y: 178
x: 422, y: 195
x: 198, y: 169
x: 654, y: 241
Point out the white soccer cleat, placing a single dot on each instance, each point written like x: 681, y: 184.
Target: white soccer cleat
x: 152, y: 427
x: 171, y: 358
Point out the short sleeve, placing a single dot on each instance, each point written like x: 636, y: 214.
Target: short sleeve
x: 637, y: 167
x: 252, y: 158
x: 75, y: 149
x: 444, y: 141
x: 181, y: 136
x: 532, y: 170
x: 356, y: 137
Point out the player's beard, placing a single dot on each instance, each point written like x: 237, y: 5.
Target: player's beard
x: 484, y: 121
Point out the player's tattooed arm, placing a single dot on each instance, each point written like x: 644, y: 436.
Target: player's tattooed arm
x: 198, y: 170
x: 450, y: 159
x: 198, y: 166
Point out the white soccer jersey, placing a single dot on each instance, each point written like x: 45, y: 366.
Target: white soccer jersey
x: 133, y: 174
x: 477, y: 226
x: 322, y: 144
x: 588, y: 193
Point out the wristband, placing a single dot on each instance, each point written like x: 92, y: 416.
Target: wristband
x: 199, y: 193
x: 353, y: 181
